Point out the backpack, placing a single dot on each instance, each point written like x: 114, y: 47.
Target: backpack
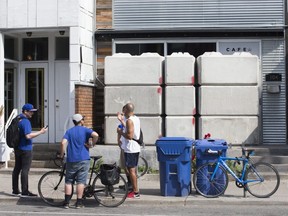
x: 12, y: 133
x: 140, y: 141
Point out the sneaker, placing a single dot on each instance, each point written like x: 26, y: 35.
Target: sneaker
x: 79, y: 205
x: 132, y: 194
x: 66, y: 205
x: 29, y: 194
x: 17, y: 193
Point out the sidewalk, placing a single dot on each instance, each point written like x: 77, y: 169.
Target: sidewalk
x: 150, y: 192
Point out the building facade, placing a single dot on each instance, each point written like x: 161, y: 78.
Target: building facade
x: 52, y: 53
x: 166, y: 26
x: 47, y: 58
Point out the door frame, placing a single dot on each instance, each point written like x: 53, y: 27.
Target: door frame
x: 44, y: 138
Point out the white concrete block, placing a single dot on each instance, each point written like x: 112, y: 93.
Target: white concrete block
x: 85, y: 21
x: 74, y: 35
x: 87, y: 55
x: 183, y: 126
x: 87, y: 72
x: 74, y: 53
x: 87, y: 5
x: 180, y: 100
x: 179, y: 69
x: 124, y: 69
x: 151, y: 128
x: 228, y: 100
x: 86, y: 37
x: 217, y: 69
x: 147, y: 99
x: 234, y: 129
x: 75, y: 71
x: 47, y: 13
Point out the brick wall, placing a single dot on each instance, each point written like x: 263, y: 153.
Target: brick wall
x: 84, y: 103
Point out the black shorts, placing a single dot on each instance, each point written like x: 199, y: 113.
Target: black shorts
x: 131, y: 159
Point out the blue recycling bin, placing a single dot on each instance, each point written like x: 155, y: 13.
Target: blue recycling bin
x: 203, y: 145
x: 174, y: 156
x: 203, y: 156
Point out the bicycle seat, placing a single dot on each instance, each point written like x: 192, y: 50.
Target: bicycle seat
x: 96, y: 157
x: 247, y: 152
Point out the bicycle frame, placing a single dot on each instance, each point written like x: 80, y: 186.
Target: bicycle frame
x: 222, y: 161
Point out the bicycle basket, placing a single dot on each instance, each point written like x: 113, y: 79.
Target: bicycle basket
x: 109, y: 174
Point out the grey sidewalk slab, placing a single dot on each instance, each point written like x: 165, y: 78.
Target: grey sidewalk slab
x: 150, y: 192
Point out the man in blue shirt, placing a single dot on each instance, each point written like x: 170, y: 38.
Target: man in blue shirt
x: 23, y: 153
x: 78, y: 159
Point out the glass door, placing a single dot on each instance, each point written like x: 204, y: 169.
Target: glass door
x: 33, y: 89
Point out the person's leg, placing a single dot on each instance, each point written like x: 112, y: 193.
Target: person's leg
x: 131, y: 160
x: 16, y: 172
x: 26, y: 160
x: 69, y: 179
x: 133, y: 179
x: 123, y: 166
x: 81, y: 178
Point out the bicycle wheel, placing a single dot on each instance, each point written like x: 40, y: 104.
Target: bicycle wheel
x: 268, y: 177
x: 205, y: 186
x: 51, y: 188
x: 142, y: 167
x: 110, y: 195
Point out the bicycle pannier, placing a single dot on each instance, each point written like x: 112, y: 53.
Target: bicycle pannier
x: 109, y: 174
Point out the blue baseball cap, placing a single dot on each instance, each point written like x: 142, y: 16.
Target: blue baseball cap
x: 28, y: 107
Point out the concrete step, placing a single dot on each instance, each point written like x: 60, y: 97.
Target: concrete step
x: 279, y: 150
x: 273, y: 159
x: 36, y: 164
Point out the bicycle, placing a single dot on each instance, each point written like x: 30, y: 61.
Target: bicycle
x: 51, y: 187
x: 259, y: 179
x: 142, y: 167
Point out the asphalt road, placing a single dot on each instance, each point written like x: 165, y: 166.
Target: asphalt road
x: 27, y: 207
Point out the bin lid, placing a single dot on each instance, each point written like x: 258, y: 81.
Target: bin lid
x: 173, y: 139
x: 173, y: 145
x: 210, y: 143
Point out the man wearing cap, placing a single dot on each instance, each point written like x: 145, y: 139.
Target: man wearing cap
x: 78, y: 159
x: 23, y: 153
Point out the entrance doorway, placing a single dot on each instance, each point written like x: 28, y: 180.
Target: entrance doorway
x: 33, y: 88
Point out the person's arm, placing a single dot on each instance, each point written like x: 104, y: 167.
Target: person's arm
x: 129, y: 130
x: 35, y: 134
x: 94, y: 140
x: 62, y: 147
x: 95, y: 137
x: 120, y: 117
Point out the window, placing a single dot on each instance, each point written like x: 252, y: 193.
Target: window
x: 195, y: 49
x: 10, y: 48
x: 138, y: 49
x: 35, y: 49
x: 62, y: 48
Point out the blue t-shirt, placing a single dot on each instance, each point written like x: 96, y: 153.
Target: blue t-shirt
x: 24, y: 129
x: 77, y: 136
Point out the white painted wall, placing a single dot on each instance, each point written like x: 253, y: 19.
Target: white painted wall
x: 39, y: 13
